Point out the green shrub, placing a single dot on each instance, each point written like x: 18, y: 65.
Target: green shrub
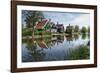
x: 81, y: 52
x: 27, y: 32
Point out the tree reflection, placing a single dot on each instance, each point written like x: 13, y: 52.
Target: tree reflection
x: 76, y: 36
x: 84, y: 36
x: 35, y: 53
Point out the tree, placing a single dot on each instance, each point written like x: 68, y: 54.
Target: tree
x: 83, y: 30
x: 76, y: 29
x: 31, y: 17
x: 88, y: 29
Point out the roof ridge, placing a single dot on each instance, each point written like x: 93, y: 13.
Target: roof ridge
x: 41, y: 24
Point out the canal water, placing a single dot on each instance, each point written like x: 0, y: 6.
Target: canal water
x: 55, y: 48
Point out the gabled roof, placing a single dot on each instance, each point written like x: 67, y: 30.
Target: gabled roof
x: 42, y: 44
x: 41, y: 24
x: 59, y: 26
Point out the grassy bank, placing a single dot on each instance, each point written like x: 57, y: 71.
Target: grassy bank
x: 27, y: 32
x: 81, y: 52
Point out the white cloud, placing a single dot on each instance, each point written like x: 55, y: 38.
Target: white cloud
x: 82, y: 20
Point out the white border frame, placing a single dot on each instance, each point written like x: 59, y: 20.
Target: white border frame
x: 52, y: 63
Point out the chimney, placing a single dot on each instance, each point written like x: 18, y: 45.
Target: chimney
x: 49, y: 20
x: 41, y: 18
x: 57, y: 23
x: 69, y: 24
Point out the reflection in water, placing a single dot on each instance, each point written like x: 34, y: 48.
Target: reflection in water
x: 76, y: 36
x: 53, y: 48
x: 84, y: 36
x: 34, y: 54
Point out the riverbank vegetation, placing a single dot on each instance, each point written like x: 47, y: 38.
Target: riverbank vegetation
x: 80, y: 52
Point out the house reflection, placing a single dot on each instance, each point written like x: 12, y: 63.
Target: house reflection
x: 48, y: 42
x: 70, y: 38
x: 60, y: 39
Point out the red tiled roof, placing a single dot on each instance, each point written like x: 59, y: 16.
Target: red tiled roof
x: 40, y: 25
x: 42, y: 45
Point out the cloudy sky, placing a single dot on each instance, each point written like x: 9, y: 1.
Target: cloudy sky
x: 66, y: 18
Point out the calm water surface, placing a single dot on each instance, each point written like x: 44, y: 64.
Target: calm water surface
x: 51, y: 48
